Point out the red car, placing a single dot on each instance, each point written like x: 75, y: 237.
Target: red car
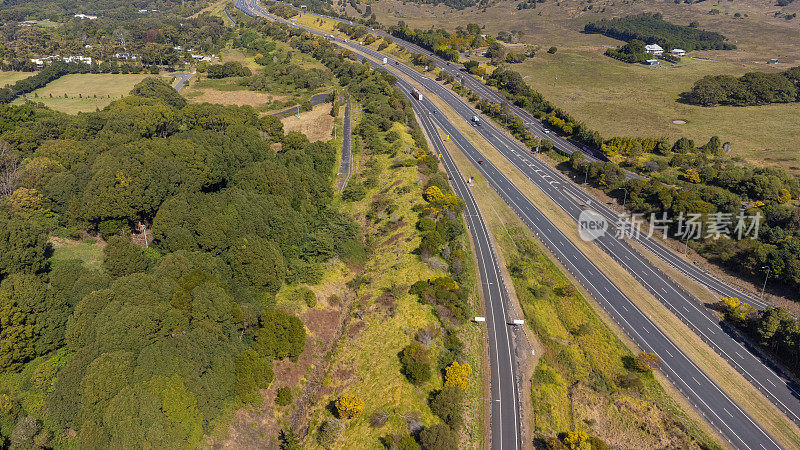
x: 480, y: 162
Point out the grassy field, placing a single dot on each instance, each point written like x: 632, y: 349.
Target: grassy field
x: 89, y: 251
x: 620, y: 99
x: 84, y: 92
x: 7, y: 78
x: 317, y: 124
x: 575, y: 385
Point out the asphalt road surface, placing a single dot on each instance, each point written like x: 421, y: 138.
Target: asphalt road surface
x: 762, y: 373
x: 346, y: 164
x: 505, y: 411
x: 719, y: 409
x: 182, y: 77
x: 315, y: 100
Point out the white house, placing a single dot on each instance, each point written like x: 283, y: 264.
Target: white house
x: 85, y: 16
x: 655, y: 49
x: 678, y: 52
x: 651, y: 62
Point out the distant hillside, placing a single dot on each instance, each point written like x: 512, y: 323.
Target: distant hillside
x: 653, y: 29
x: 20, y: 10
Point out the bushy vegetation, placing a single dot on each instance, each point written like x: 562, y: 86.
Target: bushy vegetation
x: 439, y: 41
x: 754, y: 88
x: 175, y: 336
x: 653, y: 29
x: 632, y: 52
x: 775, y: 329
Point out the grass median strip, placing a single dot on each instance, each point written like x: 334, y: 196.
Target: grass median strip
x: 725, y: 376
x: 582, y: 379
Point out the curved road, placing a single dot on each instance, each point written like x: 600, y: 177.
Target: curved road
x: 505, y: 412
x: 719, y: 409
x: 768, y: 378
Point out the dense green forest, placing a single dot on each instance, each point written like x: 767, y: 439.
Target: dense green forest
x: 652, y: 29
x: 157, y: 348
x: 754, y: 88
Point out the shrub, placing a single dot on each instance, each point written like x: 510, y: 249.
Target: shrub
x: 283, y: 396
x: 438, y: 437
x: 121, y: 257
x: 349, y: 406
x: 552, y: 50
x: 448, y: 404
x: 458, y: 375
x: 646, y: 362
x: 416, y: 363
x: 330, y: 431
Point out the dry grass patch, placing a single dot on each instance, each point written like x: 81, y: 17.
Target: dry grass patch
x: 317, y: 124
x: 240, y: 97
x: 7, y: 78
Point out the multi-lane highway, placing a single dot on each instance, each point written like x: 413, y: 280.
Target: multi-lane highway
x: 504, y: 400
x: 505, y: 429
x: 763, y: 374
x: 720, y: 410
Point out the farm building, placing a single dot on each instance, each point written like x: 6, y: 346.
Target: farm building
x: 654, y: 49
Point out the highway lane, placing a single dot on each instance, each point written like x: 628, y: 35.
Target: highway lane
x: 724, y: 414
x: 535, y: 126
x: 505, y: 430
x: 504, y: 399
x: 681, y: 370
x: 762, y: 373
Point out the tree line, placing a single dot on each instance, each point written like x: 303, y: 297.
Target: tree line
x: 753, y: 88
x: 653, y: 29
x: 51, y: 72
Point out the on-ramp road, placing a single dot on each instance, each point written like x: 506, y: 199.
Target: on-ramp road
x: 719, y: 409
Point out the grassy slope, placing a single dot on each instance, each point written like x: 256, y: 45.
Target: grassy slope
x: 12, y: 77
x: 621, y: 99
x: 367, y: 363
x: 106, y: 88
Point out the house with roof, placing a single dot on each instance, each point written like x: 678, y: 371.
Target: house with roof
x: 654, y: 49
x: 651, y: 62
x: 677, y: 52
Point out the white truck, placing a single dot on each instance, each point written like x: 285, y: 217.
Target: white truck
x: 476, y: 120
